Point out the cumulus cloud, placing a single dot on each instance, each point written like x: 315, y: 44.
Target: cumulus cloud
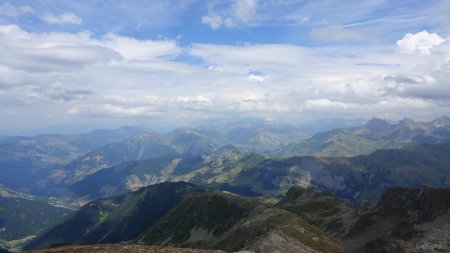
x: 213, y: 20
x: 59, y: 51
x: 79, y: 76
x: 65, y: 18
x: 64, y: 67
x: 9, y: 10
x: 427, y: 57
x: 50, y: 51
x: 421, y: 42
x: 131, y: 48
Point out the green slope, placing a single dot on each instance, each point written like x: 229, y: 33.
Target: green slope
x: 182, y: 214
x: 217, y: 169
x: 20, y: 217
x: 180, y: 142
x: 116, y: 219
x: 198, y: 219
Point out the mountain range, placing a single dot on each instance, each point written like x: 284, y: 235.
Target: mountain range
x: 184, y: 142
x: 256, y: 135
x: 363, y: 177
x: 26, y: 162
x: 190, y: 143
x: 60, y: 159
x: 45, y: 164
x: 184, y: 215
x: 369, y: 137
x: 221, y: 185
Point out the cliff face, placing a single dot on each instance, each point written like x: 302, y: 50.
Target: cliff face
x: 389, y: 245
x: 419, y: 205
x: 404, y: 219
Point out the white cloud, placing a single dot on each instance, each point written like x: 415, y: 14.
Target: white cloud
x: 257, y: 78
x: 421, y: 42
x: 297, y: 18
x: 128, y: 111
x: 247, y: 55
x: 337, y: 32
x: 326, y: 104
x: 250, y: 13
x: 59, y: 51
x: 427, y: 57
x: 76, y: 76
x: 45, y: 52
x: 65, y: 18
x: 244, y: 10
x: 131, y: 48
x: 13, y: 11
x: 213, y: 20
x: 236, y: 13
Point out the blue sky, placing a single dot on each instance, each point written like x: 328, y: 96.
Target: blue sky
x: 270, y: 21
x: 109, y: 63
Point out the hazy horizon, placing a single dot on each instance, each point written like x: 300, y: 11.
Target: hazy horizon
x: 308, y: 127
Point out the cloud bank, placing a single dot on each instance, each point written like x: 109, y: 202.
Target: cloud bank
x: 78, y: 76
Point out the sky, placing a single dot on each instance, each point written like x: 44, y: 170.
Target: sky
x: 75, y: 65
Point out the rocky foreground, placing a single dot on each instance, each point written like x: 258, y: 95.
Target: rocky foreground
x: 117, y: 248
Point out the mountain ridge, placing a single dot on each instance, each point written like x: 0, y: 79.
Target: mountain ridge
x: 204, y: 218
x: 355, y: 178
x: 369, y: 137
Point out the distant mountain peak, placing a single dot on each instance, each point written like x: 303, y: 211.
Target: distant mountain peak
x: 407, y: 122
x: 375, y: 120
x: 442, y: 121
x: 377, y: 124
x: 184, y: 130
x: 142, y: 136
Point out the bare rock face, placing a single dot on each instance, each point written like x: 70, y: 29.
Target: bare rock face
x: 389, y: 245
x: 417, y: 205
x: 403, y: 221
x: 276, y: 230
x: 117, y: 248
